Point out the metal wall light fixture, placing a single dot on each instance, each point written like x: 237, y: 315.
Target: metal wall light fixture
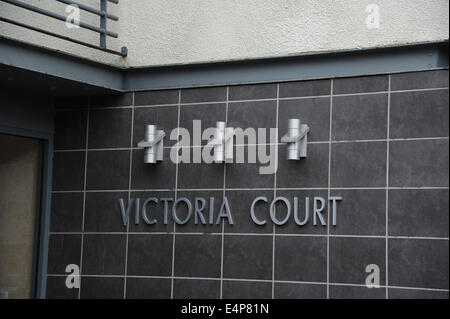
x: 222, y: 143
x: 296, y: 139
x: 153, y: 144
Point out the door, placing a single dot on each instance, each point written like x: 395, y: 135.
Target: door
x: 20, y: 160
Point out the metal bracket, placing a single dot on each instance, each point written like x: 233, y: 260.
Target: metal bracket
x: 222, y: 143
x: 297, y: 139
x: 153, y: 144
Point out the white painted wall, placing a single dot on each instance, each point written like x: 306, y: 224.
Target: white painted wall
x: 160, y: 32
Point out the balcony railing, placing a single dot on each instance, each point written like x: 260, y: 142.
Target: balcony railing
x: 101, y: 29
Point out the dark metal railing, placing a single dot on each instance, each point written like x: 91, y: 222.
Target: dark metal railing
x: 102, y: 29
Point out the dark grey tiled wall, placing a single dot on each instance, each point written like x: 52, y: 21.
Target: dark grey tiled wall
x: 380, y: 142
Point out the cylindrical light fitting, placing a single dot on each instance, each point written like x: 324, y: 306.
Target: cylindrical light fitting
x: 150, y: 152
x: 219, y: 150
x: 293, y: 149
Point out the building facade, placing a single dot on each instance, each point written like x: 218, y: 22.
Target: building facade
x: 363, y: 214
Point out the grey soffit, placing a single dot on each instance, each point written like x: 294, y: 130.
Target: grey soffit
x: 63, y: 74
x: 28, y: 66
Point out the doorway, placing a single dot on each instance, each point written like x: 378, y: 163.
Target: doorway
x: 20, y: 197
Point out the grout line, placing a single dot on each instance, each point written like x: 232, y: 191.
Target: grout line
x: 393, y: 139
x: 275, y: 190
x: 156, y: 105
x: 419, y: 90
x: 253, y: 189
x: 224, y: 194
x: 329, y: 186
x: 258, y: 280
x: 249, y: 100
x: 129, y: 199
x: 416, y: 288
x: 84, y: 195
x: 387, y: 185
x: 264, y: 144
x: 176, y: 194
x: 254, y: 234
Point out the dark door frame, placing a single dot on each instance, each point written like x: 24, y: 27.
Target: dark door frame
x: 43, y: 204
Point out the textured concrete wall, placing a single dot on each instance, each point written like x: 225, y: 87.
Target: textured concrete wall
x: 184, y: 31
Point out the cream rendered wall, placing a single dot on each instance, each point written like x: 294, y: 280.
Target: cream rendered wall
x: 159, y: 32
